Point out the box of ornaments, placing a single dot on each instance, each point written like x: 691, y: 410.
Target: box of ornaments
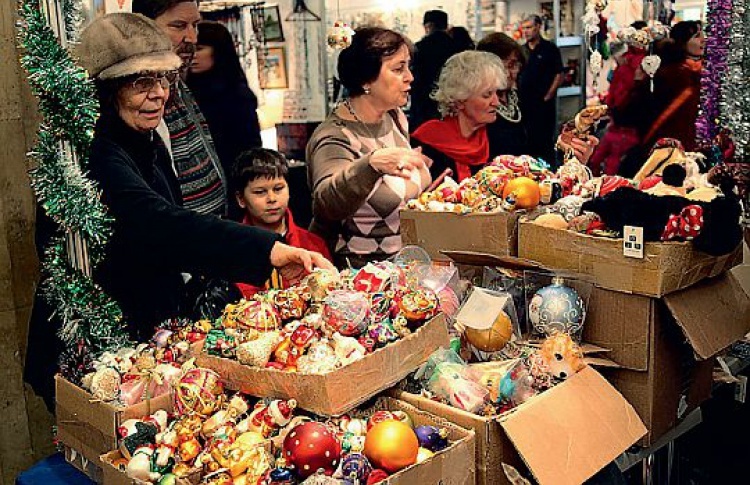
x: 672, y: 225
x: 122, y: 384
x: 519, y: 372
x: 333, y: 341
x: 216, y: 437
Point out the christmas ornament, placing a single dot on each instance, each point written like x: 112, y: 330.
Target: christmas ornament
x: 556, y: 308
x: 347, y: 311
x: 257, y: 315
x: 347, y: 349
x: 391, y: 445
x: 423, y: 454
x: 340, y: 35
x: 198, y: 391
x: 550, y: 191
x: 356, y: 467
x: 379, y: 417
x: 289, y: 303
x: 418, y: 304
x: 611, y: 183
x: 376, y: 476
x: 403, y: 417
x: 319, y: 283
x: 432, y: 437
x: 267, y: 417
x: 257, y: 352
x: 525, y: 192
x: 105, y: 384
x: 311, y: 447
x: 319, y: 359
x: 491, y: 339
x: 377, y: 277
x: 568, y: 207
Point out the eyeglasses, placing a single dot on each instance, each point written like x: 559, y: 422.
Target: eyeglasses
x: 144, y: 84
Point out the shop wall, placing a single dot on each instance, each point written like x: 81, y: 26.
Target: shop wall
x: 25, y: 430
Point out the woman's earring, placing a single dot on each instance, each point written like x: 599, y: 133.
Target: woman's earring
x: 366, y: 90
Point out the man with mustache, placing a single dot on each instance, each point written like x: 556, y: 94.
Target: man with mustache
x: 185, y: 131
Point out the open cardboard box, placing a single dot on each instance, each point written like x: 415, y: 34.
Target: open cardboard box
x: 451, y: 466
x: 563, y: 436
x: 90, y: 427
x: 336, y: 392
x: 665, y: 267
x: 492, y: 233
x: 665, y: 346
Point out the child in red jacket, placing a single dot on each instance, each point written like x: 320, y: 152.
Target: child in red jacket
x: 259, y: 184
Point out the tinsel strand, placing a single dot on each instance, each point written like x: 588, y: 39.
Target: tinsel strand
x: 735, y: 101
x: 719, y: 18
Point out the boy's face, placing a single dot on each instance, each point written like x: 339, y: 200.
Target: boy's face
x: 265, y: 200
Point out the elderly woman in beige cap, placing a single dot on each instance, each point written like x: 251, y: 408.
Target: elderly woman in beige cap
x: 156, y: 240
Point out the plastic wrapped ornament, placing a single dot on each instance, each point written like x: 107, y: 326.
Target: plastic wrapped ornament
x: 340, y: 35
x: 347, y: 312
x: 311, y: 447
x: 105, y: 384
x: 525, y: 192
x: 199, y: 391
x: 493, y: 338
x: 391, y: 445
x: 557, y: 308
x: 319, y: 283
x: 380, y: 276
x: 448, y: 301
x: 356, y: 467
x: 289, y: 303
x: 432, y: 437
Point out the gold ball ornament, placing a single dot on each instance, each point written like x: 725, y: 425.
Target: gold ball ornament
x: 391, y: 445
x: 423, y: 454
x: 526, y: 191
x: 491, y: 339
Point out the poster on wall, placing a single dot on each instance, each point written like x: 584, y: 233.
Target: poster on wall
x: 272, y: 69
x: 113, y: 6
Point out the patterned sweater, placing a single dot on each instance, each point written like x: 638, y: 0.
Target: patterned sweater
x: 201, y: 178
x: 355, y: 208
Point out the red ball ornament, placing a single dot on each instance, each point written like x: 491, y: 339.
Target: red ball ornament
x: 376, y: 476
x: 379, y: 417
x: 391, y: 445
x: 310, y: 447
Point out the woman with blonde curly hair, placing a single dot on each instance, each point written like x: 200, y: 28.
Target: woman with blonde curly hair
x: 467, y: 99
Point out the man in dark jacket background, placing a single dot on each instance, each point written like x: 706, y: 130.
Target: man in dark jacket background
x: 430, y: 54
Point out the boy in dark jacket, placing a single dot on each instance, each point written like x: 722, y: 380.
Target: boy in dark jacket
x: 260, y: 187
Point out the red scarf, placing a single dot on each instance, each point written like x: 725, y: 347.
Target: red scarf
x: 445, y: 136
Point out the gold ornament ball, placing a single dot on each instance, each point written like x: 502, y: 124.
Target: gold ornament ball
x: 423, y: 454
x: 391, y: 445
x: 526, y: 191
x: 494, y: 338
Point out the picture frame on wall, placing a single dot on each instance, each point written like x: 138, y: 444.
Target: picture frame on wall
x: 272, y: 69
x: 272, y: 29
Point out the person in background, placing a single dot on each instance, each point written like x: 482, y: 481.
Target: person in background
x: 539, y: 81
x: 430, y: 54
x: 220, y: 87
x: 461, y: 38
x: 508, y: 135
x: 258, y: 181
x: 185, y: 131
x: 467, y: 96
x: 361, y: 168
x: 627, y: 117
x: 154, y: 238
x: 677, y: 84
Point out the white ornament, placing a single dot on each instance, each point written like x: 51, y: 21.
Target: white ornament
x: 650, y: 64
x: 595, y: 63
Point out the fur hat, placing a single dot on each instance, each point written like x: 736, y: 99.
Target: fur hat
x: 122, y: 44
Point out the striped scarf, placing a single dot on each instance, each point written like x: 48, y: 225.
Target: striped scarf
x: 198, y: 170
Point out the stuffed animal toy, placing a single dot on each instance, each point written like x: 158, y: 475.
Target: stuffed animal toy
x: 666, y: 151
x: 563, y: 356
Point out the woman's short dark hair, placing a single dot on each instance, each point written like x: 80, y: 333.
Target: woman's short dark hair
x: 360, y: 63
x: 502, y: 46
x: 226, y: 61
x: 257, y: 163
x: 674, y: 49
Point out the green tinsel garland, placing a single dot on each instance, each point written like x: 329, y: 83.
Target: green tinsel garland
x: 69, y: 108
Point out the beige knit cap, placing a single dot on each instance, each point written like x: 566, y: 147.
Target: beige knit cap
x: 121, y: 44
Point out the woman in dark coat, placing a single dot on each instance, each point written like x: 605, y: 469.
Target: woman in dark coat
x: 220, y: 87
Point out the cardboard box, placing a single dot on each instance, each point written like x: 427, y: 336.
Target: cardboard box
x: 451, y: 466
x: 563, y: 436
x: 495, y: 233
x: 664, y: 346
x: 665, y: 268
x: 336, y: 392
x: 90, y: 428
x: 91, y: 469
